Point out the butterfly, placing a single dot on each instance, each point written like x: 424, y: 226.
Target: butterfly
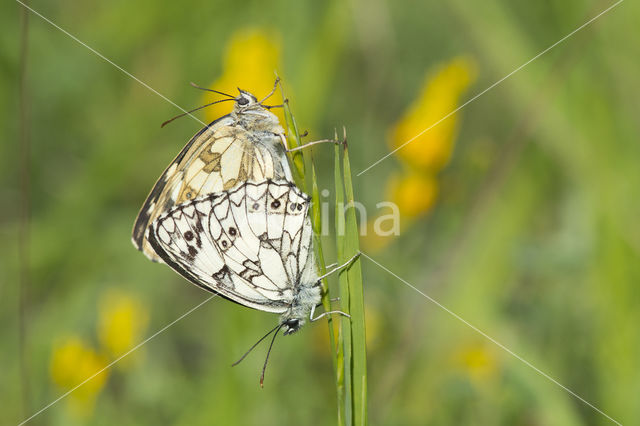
x: 246, y: 145
x: 252, y: 245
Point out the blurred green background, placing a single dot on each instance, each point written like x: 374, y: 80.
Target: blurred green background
x: 525, y: 222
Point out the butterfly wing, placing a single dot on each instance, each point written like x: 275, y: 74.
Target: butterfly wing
x: 217, y: 158
x: 250, y: 245
x: 153, y: 205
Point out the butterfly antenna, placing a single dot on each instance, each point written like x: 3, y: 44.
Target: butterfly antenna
x: 210, y: 90
x: 193, y: 110
x: 275, y: 86
x: 264, y: 367
x: 256, y: 344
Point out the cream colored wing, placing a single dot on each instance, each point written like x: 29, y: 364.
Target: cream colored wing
x: 217, y: 158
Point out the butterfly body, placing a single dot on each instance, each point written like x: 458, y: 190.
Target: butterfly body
x: 246, y: 145
x: 252, y: 245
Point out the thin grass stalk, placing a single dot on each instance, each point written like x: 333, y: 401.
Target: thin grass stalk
x: 356, y: 301
x: 326, y: 299
x: 344, y: 331
x: 24, y: 250
x: 298, y: 160
x: 293, y: 141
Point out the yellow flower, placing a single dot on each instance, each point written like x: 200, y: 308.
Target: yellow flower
x: 414, y: 193
x: 122, y: 320
x: 252, y: 57
x: 478, y: 361
x: 426, y: 140
x: 438, y: 97
x: 72, y: 363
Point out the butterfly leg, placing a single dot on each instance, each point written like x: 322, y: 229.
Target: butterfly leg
x: 334, y: 141
x: 275, y: 86
x: 347, y: 263
x: 313, y: 309
x: 306, y: 145
x: 332, y: 300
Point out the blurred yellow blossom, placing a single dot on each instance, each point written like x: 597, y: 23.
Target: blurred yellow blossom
x: 414, y: 193
x: 251, y: 59
x: 438, y: 97
x: 73, y: 362
x: 122, y: 320
x: 478, y: 361
x: 431, y: 137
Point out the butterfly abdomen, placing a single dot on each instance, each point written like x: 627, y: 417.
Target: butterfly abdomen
x: 306, y: 298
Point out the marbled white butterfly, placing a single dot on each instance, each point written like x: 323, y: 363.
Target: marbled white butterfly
x: 252, y: 245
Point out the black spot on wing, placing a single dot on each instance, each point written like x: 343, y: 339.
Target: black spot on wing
x: 252, y: 270
x: 199, y: 227
x: 179, y: 269
x: 223, y: 277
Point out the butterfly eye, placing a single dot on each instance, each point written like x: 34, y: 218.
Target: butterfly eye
x: 275, y: 204
x: 242, y: 100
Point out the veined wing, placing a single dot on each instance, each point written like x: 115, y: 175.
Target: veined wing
x: 217, y: 158
x: 251, y: 244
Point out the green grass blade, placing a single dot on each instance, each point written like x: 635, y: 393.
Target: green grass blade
x: 316, y: 221
x: 345, y: 327
x: 298, y: 160
x: 293, y: 141
x: 356, y: 302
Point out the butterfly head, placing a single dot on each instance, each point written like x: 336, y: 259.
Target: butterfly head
x: 253, y: 114
x: 292, y: 325
x: 247, y: 104
x: 246, y: 100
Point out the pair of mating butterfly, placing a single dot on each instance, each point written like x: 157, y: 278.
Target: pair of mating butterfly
x: 226, y: 216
